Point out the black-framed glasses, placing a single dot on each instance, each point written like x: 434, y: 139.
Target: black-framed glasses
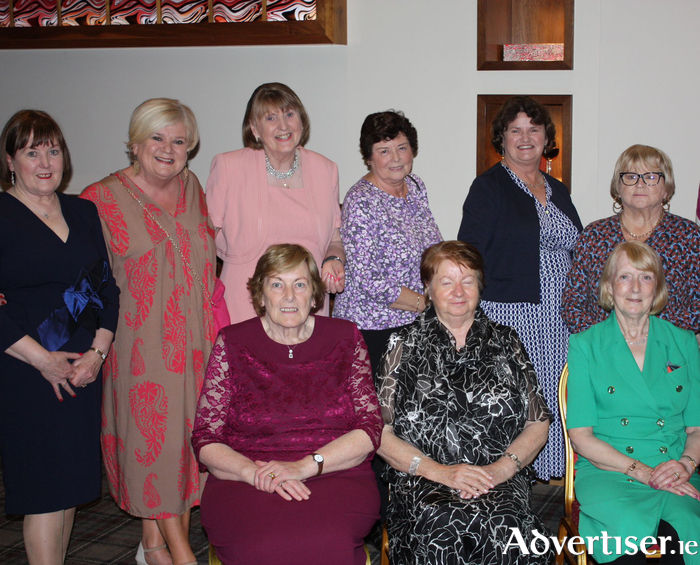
x: 650, y: 179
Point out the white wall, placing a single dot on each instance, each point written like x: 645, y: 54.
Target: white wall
x: 635, y: 80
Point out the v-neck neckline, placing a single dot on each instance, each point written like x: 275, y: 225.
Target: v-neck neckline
x: 42, y: 222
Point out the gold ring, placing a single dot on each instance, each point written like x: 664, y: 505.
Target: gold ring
x: 83, y: 386
x: 677, y: 475
x: 271, y: 475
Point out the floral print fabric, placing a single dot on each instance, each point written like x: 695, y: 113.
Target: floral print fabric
x: 675, y: 239
x: 384, y: 237
x: 457, y: 407
x: 155, y: 369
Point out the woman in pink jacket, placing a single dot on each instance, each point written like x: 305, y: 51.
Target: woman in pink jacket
x: 274, y: 191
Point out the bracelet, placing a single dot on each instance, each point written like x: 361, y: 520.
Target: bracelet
x: 632, y: 467
x: 103, y: 355
x: 413, y: 467
x: 689, y: 458
x: 514, y: 457
x: 331, y: 258
x: 418, y: 303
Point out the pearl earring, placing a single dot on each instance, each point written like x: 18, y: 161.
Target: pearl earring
x: 13, y: 178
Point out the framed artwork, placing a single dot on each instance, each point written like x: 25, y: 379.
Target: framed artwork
x: 560, y: 108
x: 62, y: 24
x: 525, y: 35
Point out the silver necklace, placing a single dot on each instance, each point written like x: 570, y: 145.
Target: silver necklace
x: 30, y: 206
x: 291, y: 349
x: 640, y: 342
x: 282, y: 176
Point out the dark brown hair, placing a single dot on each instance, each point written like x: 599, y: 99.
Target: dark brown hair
x: 458, y: 252
x: 270, y: 96
x: 33, y: 125
x: 385, y: 126
x: 280, y: 259
x: 538, y: 114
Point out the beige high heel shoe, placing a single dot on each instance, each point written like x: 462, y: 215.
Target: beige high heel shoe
x: 142, y: 551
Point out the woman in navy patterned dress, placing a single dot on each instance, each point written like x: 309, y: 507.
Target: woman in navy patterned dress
x: 642, y: 187
x: 464, y: 417
x: 525, y: 226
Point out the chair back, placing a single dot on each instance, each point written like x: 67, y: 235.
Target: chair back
x: 569, y: 494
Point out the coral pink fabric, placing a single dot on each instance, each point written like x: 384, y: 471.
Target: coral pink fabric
x: 155, y: 369
x: 253, y: 215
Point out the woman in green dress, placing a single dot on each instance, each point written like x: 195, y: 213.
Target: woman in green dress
x: 634, y: 417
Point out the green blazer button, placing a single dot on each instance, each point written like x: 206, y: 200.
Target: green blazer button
x: 660, y: 422
x: 611, y: 389
x: 629, y: 449
x: 679, y: 388
x: 624, y: 421
x: 663, y: 449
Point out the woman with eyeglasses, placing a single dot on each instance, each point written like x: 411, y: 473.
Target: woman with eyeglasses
x: 642, y: 187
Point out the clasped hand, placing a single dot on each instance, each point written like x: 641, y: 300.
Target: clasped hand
x: 283, y: 477
x: 57, y: 369
x: 672, y: 476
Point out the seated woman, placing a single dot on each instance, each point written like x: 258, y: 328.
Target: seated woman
x: 464, y: 417
x: 636, y: 419
x: 287, y: 424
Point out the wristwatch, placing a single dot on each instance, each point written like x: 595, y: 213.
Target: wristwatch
x: 103, y: 355
x: 319, y: 461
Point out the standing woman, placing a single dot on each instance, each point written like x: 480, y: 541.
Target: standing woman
x: 387, y: 224
x: 52, y: 258
x: 274, y: 191
x: 642, y: 186
x: 525, y: 226
x: 155, y: 221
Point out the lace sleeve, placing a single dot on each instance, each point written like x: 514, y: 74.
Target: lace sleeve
x: 387, y: 378
x: 214, y: 401
x: 364, y: 395
x: 537, y: 410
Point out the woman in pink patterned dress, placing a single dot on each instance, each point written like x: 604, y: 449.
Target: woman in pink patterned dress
x: 155, y: 222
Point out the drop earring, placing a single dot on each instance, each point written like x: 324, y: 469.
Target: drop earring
x: 13, y: 177
x: 136, y: 168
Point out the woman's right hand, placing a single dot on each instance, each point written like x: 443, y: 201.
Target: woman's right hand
x: 471, y: 480
x: 55, y: 367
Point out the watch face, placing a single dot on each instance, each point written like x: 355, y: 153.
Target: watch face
x: 318, y: 458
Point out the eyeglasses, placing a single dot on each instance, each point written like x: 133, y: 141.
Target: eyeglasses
x: 650, y: 179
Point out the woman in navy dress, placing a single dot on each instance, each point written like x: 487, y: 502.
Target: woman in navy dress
x: 525, y: 226
x: 55, y: 331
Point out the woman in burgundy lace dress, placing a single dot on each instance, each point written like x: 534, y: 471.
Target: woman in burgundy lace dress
x: 286, y: 426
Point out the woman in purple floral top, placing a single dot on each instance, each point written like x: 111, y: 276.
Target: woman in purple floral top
x: 386, y: 225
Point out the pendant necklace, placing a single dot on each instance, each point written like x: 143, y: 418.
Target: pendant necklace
x: 291, y: 350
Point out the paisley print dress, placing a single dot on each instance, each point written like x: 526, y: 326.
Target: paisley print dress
x: 155, y: 369
x: 463, y: 406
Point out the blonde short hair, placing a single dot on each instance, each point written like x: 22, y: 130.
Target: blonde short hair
x: 158, y: 113
x: 650, y: 157
x: 280, y: 259
x: 642, y: 257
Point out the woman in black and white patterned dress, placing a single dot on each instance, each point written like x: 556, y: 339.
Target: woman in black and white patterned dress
x: 464, y: 417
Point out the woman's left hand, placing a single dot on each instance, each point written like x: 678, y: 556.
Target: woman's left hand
x: 86, y: 368
x: 271, y: 474
x: 333, y: 275
x: 669, y: 474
